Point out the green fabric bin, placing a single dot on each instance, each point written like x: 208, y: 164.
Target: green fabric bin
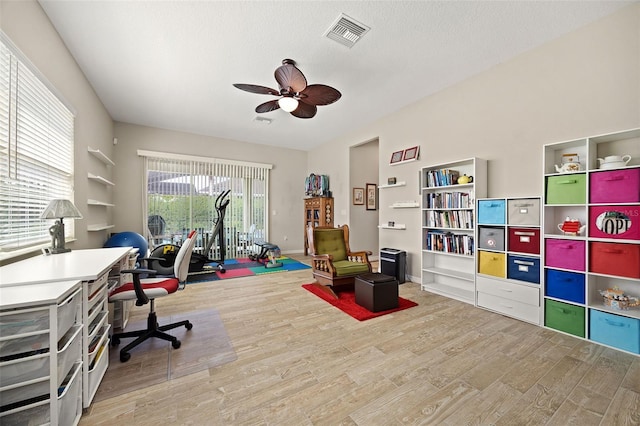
x: 565, y: 317
x: 567, y: 189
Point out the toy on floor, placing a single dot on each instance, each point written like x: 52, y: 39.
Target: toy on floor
x: 274, y: 254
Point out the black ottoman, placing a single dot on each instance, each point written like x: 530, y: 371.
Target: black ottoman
x: 376, y: 292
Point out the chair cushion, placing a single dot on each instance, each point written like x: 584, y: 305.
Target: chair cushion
x: 345, y: 267
x: 330, y: 241
x: 153, y: 288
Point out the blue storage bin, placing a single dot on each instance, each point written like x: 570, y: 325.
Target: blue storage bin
x: 565, y: 285
x: 492, y: 212
x: 615, y: 330
x: 523, y: 268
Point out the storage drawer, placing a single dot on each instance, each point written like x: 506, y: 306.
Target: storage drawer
x: 25, y: 321
x: 615, y: 222
x: 565, y: 285
x: 70, y: 400
x: 566, y: 189
x: 507, y: 290
x: 617, y: 259
x: 615, y: 330
x: 523, y: 268
x: 24, y: 369
x: 24, y: 346
x: 524, y: 240
x: 37, y: 415
x: 565, y: 254
x: 492, y: 264
x: 564, y: 317
x: 96, y: 285
x: 615, y: 186
x: 69, y: 351
x: 37, y: 391
x: 491, y: 212
x: 523, y: 211
x: 67, y: 311
x: 509, y: 307
x: 491, y: 238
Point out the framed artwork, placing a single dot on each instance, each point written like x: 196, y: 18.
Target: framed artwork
x: 411, y: 153
x: 358, y: 196
x: 372, y: 198
x: 396, y: 157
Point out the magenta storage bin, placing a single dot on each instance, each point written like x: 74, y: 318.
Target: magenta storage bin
x: 615, y: 222
x: 615, y: 186
x: 565, y: 254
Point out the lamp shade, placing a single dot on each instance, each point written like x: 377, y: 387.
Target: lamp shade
x: 288, y: 104
x: 59, y: 209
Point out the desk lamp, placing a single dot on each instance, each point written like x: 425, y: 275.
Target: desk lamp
x: 59, y: 209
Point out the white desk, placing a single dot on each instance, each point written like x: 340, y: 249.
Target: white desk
x: 92, y: 268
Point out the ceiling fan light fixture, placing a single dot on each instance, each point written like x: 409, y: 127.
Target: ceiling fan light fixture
x: 288, y: 104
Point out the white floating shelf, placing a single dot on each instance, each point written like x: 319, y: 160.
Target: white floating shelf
x: 99, y: 203
x: 404, y: 161
x: 100, y: 156
x: 101, y: 180
x: 408, y: 205
x: 399, y: 226
x: 392, y: 185
x: 99, y: 227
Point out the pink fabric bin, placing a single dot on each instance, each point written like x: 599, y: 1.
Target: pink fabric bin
x: 615, y: 186
x: 615, y: 222
x: 565, y: 254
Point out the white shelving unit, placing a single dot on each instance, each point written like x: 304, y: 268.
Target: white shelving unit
x: 98, y: 203
x: 448, y: 227
x: 100, y: 179
x: 107, y: 163
x: 399, y: 226
x: 603, y: 252
x: 101, y: 156
x: 99, y: 227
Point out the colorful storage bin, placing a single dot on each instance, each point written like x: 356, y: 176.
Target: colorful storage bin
x: 492, y: 212
x: 523, y: 268
x: 615, y: 330
x: 565, y: 254
x: 617, y: 259
x: 491, y: 263
x: 523, y: 211
x: 491, y: 238
x: 615, y: 186
x: 566, y: 189
x: 564, y: 317
x: 616, y: 222
x: 524, y: 240
x: 564, y: 285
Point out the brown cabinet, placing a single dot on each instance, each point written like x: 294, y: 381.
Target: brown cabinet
x: 318, y: 211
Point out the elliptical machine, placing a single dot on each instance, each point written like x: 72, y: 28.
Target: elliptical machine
x: 163, y: 257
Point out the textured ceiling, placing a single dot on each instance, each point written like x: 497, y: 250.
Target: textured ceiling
x: 171, y: 64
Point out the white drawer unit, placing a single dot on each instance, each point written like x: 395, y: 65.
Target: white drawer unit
x: 513, y: 299
x: 41, y: 354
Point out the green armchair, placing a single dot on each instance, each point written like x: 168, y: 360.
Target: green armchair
x: 333, y: 263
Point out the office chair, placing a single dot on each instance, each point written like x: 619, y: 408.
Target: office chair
x: 146, y: 290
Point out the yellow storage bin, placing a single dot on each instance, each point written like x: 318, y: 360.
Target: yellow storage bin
x: 490, y: 263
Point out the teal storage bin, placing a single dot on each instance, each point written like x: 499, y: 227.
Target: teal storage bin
x: 492, y: 212
x: 564, y: 317
x: 566, y: 189
x: 615, y: 330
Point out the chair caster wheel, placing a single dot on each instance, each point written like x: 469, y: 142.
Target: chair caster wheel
x: 175, y: 344
x: 115, y: 341
x: 188, y: 326
x: 125, y: 356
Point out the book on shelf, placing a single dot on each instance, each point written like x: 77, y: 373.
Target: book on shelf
x: 442, y: 177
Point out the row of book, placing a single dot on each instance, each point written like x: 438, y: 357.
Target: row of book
x: 448, y: 200
x: 442, y: 177
x: 449, y: 219
x: 448, y: 242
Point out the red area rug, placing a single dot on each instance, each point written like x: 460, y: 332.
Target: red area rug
x: 346, y: 302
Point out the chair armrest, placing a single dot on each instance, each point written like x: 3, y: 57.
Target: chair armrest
x: 139, y: 271
x: 323, y: 262
x: 359, y: 256
x: 141, y: 296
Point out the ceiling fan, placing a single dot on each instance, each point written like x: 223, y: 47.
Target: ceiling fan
x: 296, y: 96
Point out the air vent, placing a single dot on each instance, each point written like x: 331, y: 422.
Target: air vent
x: 346, y: 31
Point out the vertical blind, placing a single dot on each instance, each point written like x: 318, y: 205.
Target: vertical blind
x: 180, y: 193
x: 36, y: 152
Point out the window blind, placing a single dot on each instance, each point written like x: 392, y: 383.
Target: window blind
x: 36, y: 152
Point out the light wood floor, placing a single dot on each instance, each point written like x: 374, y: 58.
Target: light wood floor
x: 303, y: 362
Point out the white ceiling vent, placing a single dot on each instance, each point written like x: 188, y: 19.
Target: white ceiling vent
x: 346, y: 30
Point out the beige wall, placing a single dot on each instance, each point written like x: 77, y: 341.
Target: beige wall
x: 286, y: 177
x: 363, y: 223
x: 585, y: 83
x: 26, y: 24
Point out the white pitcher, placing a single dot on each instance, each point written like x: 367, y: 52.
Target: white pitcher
x: 614, y: 161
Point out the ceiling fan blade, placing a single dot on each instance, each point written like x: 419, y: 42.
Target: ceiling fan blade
x: 320, y: 94
x: 261, y: 90
x: 288, y: 76
x: 268, y: 106
x: 304, y: 110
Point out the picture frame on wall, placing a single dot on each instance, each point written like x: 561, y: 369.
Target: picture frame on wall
x: 358, y: 196
x: 411, y: 153
x: 396, y: 157
x: 372, y: 196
